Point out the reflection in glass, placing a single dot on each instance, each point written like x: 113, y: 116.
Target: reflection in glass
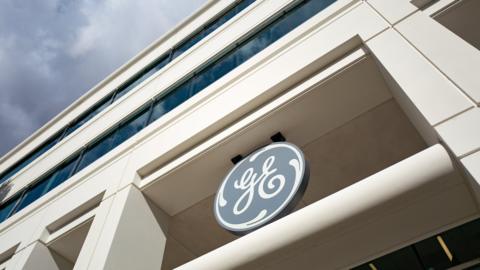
x: 448, y: 249
x: 28, y: 159
x: 170, y: 101
x: 141, y: 76
x: 432, y: 254
x: 32, y: 194
x: 89, y: 114
x: 130, y: 127
x: 187, y: 44
x: 62, y: 173
x: 7, y: 207
x: 95, y: 151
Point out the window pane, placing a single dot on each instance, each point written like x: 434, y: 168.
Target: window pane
x: 188, y: 44
x: 130, y: 127
x: 227, y: 16
x: 432, y: 255
x: 243, y: 4
x: 89, y: 114
x: 176, y: 97
x: 209, y: 28
x: 32, y: 156
x: 464, y: 241
x: 214, y: 72
x: 7, y: 207
x: 163, y: 61
x: 96, y: 151
x: 46, y: 146
x: 202, y: 80
x: 402, y: 259
x: 33, y: 193
x: 142, y: 75
x: 62, y: 173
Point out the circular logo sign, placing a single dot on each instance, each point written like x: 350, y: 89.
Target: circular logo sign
x: 261, y: 188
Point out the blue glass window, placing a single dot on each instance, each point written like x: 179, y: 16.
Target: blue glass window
x: 33, y: 193
x: 201, y: 81
x: 131, y: 126
x: 28, y: 159
x: 7, y: 207
x: 210, y: 27
x: 89, y: 114
x: 44, y: 147
x: 171, y: 100
x: 213, y: 72
x: 187, y: 44
x: 143, y: 75
x: 95, y: 151
x: 62, y: 173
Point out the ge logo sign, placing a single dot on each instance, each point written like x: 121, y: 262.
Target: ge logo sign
x: 261, y: 188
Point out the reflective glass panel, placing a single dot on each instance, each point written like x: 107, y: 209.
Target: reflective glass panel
x: 96, y: 151
x: 32, y: 194
x: 402, y: 259
x: 130, y: 127
x: 32, y: 156
x: 202, y: 80
x: 449, y: 249
x: 464, y: 241
x: 89, y: 114
x: 143, y: 75
x: 6, y: 208
x: 210, y: 27
x: 432, y: 254
x: 176, y: 97
x: 188, y: 44
x: 62, y: 173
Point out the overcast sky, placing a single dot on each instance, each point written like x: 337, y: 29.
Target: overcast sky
x: 53, y: 51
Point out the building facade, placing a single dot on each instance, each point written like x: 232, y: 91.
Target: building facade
x: 381, y: 96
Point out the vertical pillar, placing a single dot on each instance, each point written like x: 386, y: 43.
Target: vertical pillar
x: 433, y: 76
x: 38, y: 256
x: 452, y: 55
x: 133, y: 236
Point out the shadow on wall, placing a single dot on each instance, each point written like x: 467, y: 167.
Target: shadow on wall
x: 4, y: 189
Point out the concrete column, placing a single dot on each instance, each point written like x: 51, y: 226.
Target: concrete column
x: 430, y: 92
x: 133, y: 236
x: 38, y: 256
x: 433, y: 76
x: 88, y: 248
x: 452, y: 55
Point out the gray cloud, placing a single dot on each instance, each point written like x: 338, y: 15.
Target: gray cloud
x: 52, y: 51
